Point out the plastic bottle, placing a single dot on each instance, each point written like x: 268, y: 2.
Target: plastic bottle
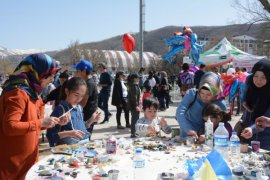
x: 209, y: 133
x: 235, y: 147
x: 138, y: 163
x: 221, y: 140
x: 111, y: 145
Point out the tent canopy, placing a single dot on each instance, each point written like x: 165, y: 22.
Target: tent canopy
x: 224, y: 52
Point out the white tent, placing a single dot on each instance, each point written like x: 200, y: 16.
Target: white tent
x: 224, y: 52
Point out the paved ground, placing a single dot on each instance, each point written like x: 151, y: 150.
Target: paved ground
x: 103, y: 130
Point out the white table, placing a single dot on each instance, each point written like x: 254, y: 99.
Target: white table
x: 156, y: 162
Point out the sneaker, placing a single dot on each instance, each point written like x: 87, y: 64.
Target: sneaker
x: 104, y: 121
x: 128, y: 126
x: 120, y: 127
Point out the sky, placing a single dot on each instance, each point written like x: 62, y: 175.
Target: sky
x: 54, y: 24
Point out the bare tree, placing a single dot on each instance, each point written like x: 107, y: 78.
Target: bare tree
x: 74, y: 51
x: 253, y: 11
x: 7, y: 66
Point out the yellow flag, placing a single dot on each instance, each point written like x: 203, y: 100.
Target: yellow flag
x: 206, y: 172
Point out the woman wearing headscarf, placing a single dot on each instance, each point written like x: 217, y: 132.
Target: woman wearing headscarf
x: 257, y: 104
x: 189, y: 111
x: 21, y: 115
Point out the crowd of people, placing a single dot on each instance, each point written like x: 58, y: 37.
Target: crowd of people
x: 77, y: 100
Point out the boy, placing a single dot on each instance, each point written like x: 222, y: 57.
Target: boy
x: 150, y: 124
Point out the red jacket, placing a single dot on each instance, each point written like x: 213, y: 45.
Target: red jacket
x: 20, y: 125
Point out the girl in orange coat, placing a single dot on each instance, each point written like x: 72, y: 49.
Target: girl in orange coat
x: 21, y: 115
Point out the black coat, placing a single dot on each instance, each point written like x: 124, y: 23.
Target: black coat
x: 117, y: 95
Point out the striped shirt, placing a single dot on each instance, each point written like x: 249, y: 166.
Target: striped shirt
x: 143, y: 123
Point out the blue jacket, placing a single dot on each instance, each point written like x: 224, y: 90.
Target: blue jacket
x: 191, y: 118
x: 76, y: 122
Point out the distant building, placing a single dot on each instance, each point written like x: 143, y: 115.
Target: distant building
x: 247, y: 43
x: 204, y: 40
x: 266, y: 48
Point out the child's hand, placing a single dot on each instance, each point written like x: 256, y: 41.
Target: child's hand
x: 77, y: 134
x: 163, y: 122
x: 151, y: 129
x: 64, y: 119
x: 201, y: 139
x: 138, y: 108
x: 94, y: 118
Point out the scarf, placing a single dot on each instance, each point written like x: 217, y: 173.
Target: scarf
x: 30, y: 72
x: 212, y: 82
x: 258, y: 99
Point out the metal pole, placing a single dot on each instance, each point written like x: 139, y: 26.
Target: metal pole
x: 142, y: 14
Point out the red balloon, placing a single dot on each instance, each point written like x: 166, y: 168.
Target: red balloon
x: 128, y: 42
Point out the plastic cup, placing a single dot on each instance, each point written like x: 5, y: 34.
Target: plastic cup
x: 113, y: 174
x: 243, y: 148
x: 190, y: 140
x: 98, y: 143
x: 255, y: 145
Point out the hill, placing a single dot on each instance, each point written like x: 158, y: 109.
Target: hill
x: 153, y: 40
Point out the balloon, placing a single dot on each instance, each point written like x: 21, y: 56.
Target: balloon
x: 184, y: 43
x: 128, y: 42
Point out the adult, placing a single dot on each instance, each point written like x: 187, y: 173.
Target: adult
x: 90, y: 101
x: 105, y: 83
x: 119, y: 99
x: 189, y: 111
x: 21, y: 115
x: 257, y: 104
x: 198, y: 75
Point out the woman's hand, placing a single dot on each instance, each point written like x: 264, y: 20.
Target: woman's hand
x: 192, y: 133
x: 49, y: 122
x: 262, y: 121
x: 77, y: 134
x: 247, y: 133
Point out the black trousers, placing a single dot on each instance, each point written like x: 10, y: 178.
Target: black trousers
x: 119, y: 111
x: 135, y: 115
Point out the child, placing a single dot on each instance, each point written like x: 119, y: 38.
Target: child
x: 150, y: 124
x: 147, y: 92
x: 216, y: 115
x: 133, y: 104
x: 75, y: 130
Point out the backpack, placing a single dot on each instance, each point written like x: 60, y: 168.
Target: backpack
x: 186, y: 79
